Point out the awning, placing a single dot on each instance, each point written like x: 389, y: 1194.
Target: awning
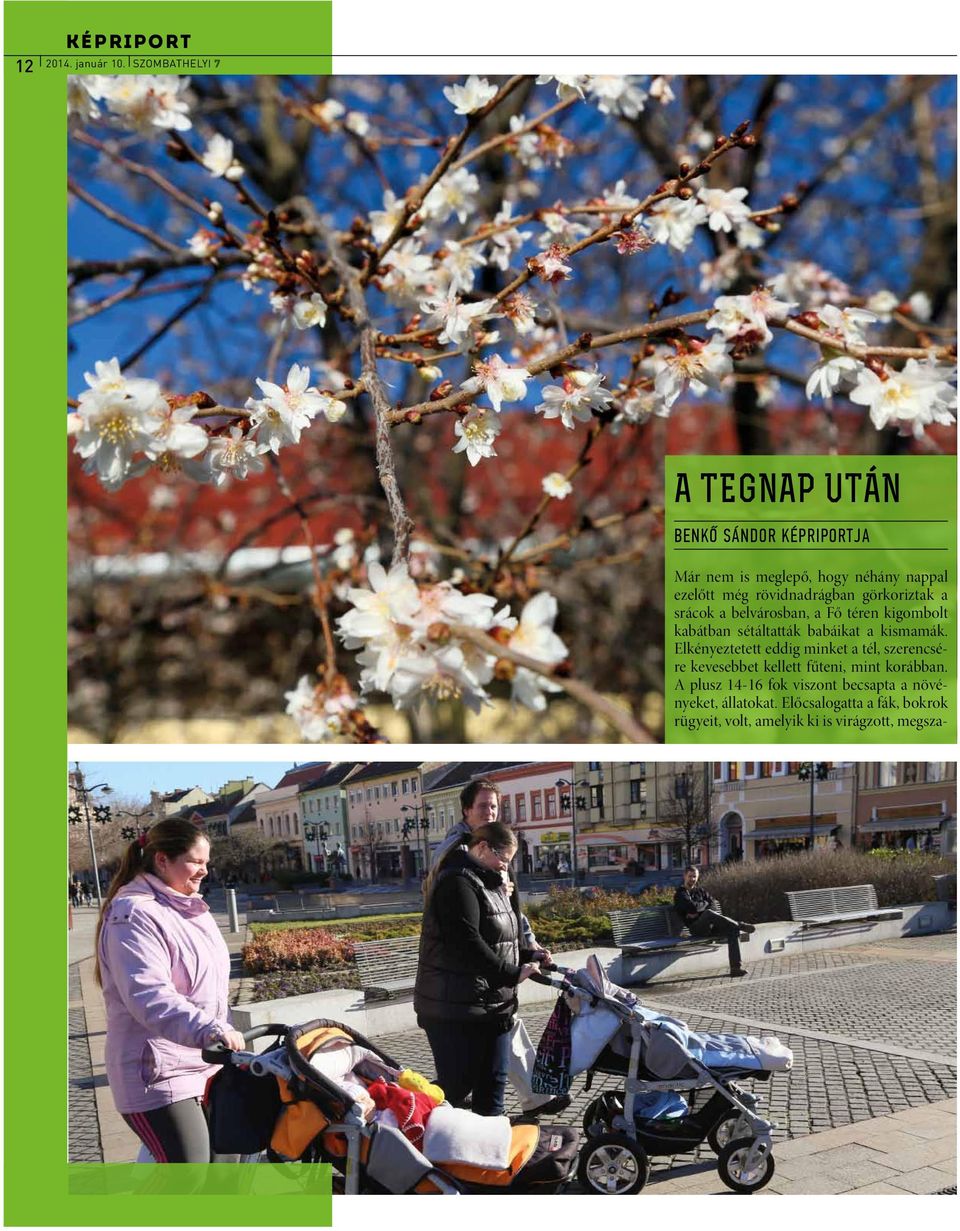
x: 912, y: 823
x: 824, y: 828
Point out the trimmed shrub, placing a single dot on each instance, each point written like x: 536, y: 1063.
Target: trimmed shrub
x: 757, y: 891
x: 295, y: 949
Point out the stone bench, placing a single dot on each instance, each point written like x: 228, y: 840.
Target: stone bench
x: 813, y: 908
x: 387, y: 967
x: 655, y: 929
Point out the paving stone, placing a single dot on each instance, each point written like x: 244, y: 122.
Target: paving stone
x: 925, y: 1180
x: 865, y: 1171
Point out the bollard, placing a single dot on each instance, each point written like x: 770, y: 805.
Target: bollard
x: 232, y: 910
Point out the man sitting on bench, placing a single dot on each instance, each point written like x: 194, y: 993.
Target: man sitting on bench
x: 701, y: 916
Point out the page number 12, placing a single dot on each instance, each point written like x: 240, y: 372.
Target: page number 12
x: 24, y: 66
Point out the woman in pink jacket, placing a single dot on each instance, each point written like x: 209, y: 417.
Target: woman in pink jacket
x: 164, y: 969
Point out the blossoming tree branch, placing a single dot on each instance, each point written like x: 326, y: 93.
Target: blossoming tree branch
x: 455, y: 286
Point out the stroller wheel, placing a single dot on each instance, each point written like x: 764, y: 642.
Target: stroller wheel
x: 613, y: 1165
x: 600, y: 1114
x: 741, y: 1173
x: 724, y: 1131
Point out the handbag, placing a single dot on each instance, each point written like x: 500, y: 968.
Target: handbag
x: 551, y: 1069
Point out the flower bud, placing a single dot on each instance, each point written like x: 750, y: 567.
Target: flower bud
x: 685, y: 193
x: 429, y: 371
x: 504, y: 670
x: 439, y: 632
x: 809, y: 319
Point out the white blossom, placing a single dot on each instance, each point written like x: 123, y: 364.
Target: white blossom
x: 908, y: 398
x: 673, y: 221
x: 454, y: 193
x: 142, y: 103
x: 281, y: 415
x: 203, y: 243
x: 883, y: 304
x: 115, y: 423
x: 455, y: 317
x: 550, y: 265
x: 534, y: 638
x: 846, y: 324
x: 920, y: 306
x: 235, y: 455
x: 357, y: 123
x: 476, y: 432
x: 310, y: 311
x: 475, y: 93
x: 503, y: 244
x: 500, y: 381
x: 218, y: 158
x: 725, y: 207
x: 560, y: 229
x: 660, y: 90
x: 576, y: 399
x: 556, y: 485
x: 409, y: 272
x: 567, y: 87
x: 831, y: 373
x: 809, y: 285
x: 383, y: 221
x: 703, y: 367
x: 456, y: 270
x: 319, y: 714
x: 618, y: 95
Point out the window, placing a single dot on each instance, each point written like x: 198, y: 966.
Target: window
x: 565, y: 796
x: 505, y: 810
x: 638, y: 791
x: 393, y: 789
x: 369, y: 794
x: 413, y: 785
x: 405, y: 786
x: 887, y: 773
x: 521, y: 809
x: 681, y: 786
x: 551, y: 798
x: 910, y: 771
x: 936, y: 771
x: 721, y: 771
x: 537, y: 798
x: 778, y: 769
x: 296, y: 826
x: 596, y: 797
x: 750, y: 769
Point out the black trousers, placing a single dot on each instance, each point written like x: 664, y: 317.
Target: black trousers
x: 472, y: 1058
x: 712, y: 923
x: 177, y: 1133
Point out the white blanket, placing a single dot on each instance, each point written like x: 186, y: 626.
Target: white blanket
x: 457, y: 1136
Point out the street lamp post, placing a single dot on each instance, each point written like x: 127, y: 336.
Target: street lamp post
x: 574, y: 801
x: 816, y: 771
x: 423, y: 824
x: 318, y: 834
x: 101, y: 814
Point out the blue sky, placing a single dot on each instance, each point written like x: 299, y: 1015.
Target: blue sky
x: 862, y: 226
x: 138, y: 778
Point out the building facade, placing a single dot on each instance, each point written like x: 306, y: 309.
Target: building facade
x: 323, y: 806
x: 280, y: 822
x: 767, y: 808
x: 615, y: 806
x: 907, y: 805
x: 383, y: 806
x: 538, y: 806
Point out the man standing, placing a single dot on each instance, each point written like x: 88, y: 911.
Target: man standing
x: 701, y: 915
x: 480, y: 805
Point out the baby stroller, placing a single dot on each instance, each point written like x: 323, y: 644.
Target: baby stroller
x: 299, y: 1102
x: 680, y: 1088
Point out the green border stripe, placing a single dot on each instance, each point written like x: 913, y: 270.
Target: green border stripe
x: 42, y: 1188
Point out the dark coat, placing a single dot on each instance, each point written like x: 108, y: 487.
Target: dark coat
x: 470, y: 954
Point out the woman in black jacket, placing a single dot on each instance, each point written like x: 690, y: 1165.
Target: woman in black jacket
x: 470, y: 965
